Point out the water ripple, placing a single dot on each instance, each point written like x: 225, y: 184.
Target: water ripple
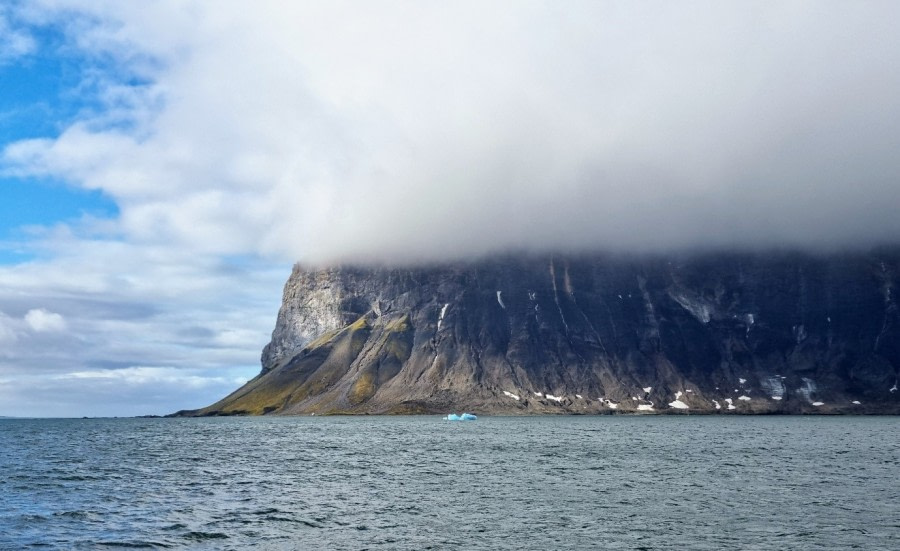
x: 420, y: 483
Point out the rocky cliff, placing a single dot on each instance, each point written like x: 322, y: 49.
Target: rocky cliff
x: 719, y: 333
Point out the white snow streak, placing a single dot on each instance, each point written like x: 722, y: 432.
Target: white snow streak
x: 441, y: 317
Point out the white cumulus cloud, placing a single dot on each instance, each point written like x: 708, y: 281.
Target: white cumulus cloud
x: 41, y: 320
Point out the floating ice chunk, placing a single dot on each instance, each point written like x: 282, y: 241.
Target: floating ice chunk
x: 678, y: 404
x: 645, y: 407
x: 742, y: 381
x: 730, y: 403
x: 511, y: 395
x: 817, y: 404
x: 552, y: 397
x: 463, y: 417
x: 717, y: 404
x: 744, y: 398
x: 500, y: 301
x: 856, y: 402
x: 578, y: 396
x: 648, y: 388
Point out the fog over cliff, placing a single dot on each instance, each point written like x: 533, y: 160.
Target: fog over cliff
x: 229, y: 139
x: 395, y: 130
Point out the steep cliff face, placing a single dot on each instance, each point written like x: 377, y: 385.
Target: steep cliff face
x: 729, y: 333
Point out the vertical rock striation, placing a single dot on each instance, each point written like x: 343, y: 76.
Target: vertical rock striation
x: 746, y: 333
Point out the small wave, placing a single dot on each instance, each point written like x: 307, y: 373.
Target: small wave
x: 201, y: 536
x: 305, y: 522
x: 80, y: 515
x: 133, y: 544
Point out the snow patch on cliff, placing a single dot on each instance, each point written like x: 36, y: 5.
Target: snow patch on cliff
x: 773, y: 386
x: 695, y: 306
x: 441, y: 317
x: 808, y: 389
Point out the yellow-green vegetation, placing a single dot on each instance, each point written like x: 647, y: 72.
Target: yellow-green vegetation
x: 262, y: 399
x: 363, y: 388
x: 324, y: 339
x: 361, y: 323
x: 398, y: 325
x: 346, y: 347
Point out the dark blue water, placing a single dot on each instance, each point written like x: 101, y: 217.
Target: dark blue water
x: 617, y: 482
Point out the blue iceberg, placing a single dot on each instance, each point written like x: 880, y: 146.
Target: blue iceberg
x: 463, y: 417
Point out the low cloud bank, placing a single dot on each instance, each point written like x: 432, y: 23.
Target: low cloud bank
x: 424, y: 130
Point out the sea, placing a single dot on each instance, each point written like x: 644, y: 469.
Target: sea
x: 421, y: 482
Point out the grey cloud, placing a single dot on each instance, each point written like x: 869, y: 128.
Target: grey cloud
x: 324, y: 132
x: 383, y: 131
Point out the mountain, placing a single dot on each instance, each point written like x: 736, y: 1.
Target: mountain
x: 783, y: 332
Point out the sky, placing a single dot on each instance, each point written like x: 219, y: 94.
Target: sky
x: 163, y: 164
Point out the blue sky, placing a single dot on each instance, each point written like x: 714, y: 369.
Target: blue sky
x: 38, y: 99
x: 163, y: 164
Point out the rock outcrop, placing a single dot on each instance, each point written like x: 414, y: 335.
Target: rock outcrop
x: 712, y: 333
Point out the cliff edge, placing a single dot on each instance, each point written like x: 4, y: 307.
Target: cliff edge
x: 704, y: 333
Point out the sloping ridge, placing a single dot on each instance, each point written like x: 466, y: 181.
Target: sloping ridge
x: 715, y: 333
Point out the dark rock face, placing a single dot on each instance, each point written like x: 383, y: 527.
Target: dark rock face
x: 719, y: 333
